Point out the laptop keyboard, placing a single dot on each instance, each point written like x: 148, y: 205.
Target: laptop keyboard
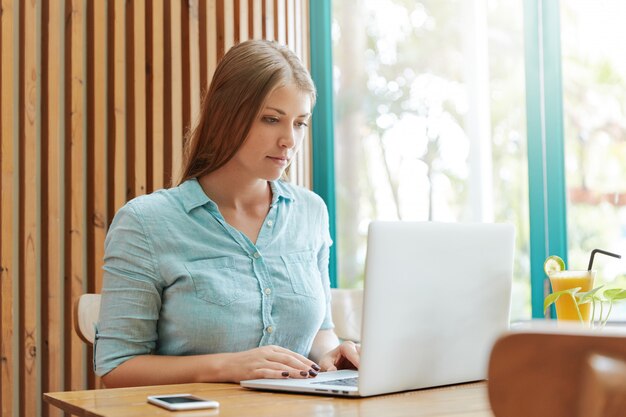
x: 343, y: 382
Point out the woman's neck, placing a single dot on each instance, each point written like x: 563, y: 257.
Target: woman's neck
x: 234, y: 192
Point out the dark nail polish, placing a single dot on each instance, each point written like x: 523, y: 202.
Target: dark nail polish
x: 312, y: 372
x: 285, y: 373
x: 303, y: 373
x: 316, y: 367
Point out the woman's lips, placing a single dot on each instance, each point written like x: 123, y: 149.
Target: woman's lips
x: 282, y: 161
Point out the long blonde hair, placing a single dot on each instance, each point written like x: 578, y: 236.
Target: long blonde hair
x: 243, y: 79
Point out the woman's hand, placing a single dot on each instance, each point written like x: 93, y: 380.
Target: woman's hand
x: 267, y: 362
x: 344, y: 356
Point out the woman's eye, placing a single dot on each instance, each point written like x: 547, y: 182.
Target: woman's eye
x: 302, y: 124
x: 271, y: 120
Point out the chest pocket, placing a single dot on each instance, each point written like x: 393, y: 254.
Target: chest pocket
x: 303, y: 273
x: 214, y: 280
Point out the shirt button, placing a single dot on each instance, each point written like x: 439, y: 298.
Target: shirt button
x: 268, y: 291
x: 256, y: 255
x: 270, y: 223
x: 269, y: 329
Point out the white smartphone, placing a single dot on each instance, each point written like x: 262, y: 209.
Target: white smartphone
x: 182, y: 402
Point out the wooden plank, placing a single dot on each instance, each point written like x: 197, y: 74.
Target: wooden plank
x: 304, y: 53
x: 7, y: 236
x: 220, y: 30
x: 195, y: 87
x: 111, y: 112
x: 293, y: 21
x: 250, y: 18
x: 256, y: 17
x: 304, y: 31
x: 52, y: 236
x: 212, y: 40
x: 176, y: 63
x: 202, y: 45
x: 236, y: 21
x: 149, y: 69
x: 119, y: 102
x: 297, y: 27
x: 289, y: 24
x: 28, y: 208
x: 157, y: 63
x: 130, y: 99
x: 264, y: 19
x: 140, y: 102
x: 241, y: 17
x: 75, y: 360
x: 229, y: 24
x: 99, y: 129
x: 279, y: 33
x: 167, y: 95
x: 186, y: 71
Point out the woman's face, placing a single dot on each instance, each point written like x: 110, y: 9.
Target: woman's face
x: 276, y: 134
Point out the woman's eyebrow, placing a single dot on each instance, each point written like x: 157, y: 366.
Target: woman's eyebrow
x: 282, y: 112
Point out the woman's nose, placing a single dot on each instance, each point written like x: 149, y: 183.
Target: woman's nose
x: 288, y: 138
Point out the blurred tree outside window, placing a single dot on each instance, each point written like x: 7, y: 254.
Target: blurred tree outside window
x: 429, y: 121
x: 594, y: 103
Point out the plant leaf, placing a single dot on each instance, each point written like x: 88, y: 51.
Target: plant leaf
x: 615, y: 294
x: 587, y: 297
x: 551, y: 298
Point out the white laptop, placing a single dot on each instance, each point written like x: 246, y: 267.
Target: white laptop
x: 436, y: 297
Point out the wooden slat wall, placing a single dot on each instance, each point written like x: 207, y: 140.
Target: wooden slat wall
x: 96, y: 100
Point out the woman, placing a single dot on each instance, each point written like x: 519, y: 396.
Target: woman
x: 225, y: 277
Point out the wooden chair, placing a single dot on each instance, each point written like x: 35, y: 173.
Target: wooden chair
x: 558, y: 373
x: 86, y: 311
x: 346, y: 310
x: 603, y: 393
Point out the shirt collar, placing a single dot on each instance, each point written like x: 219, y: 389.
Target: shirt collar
x: 281, y: 190
x: 193, y: 195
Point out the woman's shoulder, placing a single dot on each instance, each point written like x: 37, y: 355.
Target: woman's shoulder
x: 158, y: 202
x: 161, y: 199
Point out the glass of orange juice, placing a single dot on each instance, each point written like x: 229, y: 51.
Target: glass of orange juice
x: 565, y: 305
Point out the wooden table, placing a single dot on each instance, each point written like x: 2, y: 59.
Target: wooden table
x: 466, y: 400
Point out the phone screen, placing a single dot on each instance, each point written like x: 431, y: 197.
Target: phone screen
x: 180, y: 400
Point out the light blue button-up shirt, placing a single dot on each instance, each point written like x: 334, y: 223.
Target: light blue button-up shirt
x: 179, y: 280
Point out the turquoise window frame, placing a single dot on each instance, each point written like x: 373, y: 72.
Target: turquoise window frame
x: 544, y: 109
x: 322, y: 123
x: 546, y: 150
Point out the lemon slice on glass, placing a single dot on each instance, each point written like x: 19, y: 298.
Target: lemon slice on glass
x: 553, y: 264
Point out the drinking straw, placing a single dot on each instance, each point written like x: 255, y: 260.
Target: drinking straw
x: 593, y: 253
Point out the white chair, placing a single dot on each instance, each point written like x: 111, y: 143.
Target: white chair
x: 86, y: 311
x: 346, y: 308
x: 347, y: 311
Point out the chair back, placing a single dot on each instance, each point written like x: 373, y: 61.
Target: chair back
x: 558, y: 373
x: 86, y: 312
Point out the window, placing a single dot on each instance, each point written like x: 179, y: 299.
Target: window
x: 594, y: 104
x: 429, y: 121
x: 436, y: 120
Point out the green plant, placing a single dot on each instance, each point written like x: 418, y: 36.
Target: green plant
x: 608, y: 296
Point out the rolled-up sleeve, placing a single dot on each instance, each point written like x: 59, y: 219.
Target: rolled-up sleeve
x: 131, y: 294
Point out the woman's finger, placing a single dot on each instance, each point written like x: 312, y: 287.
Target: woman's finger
x: 350, y: 351
x: 292, y: 359
x: 292, y: 372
